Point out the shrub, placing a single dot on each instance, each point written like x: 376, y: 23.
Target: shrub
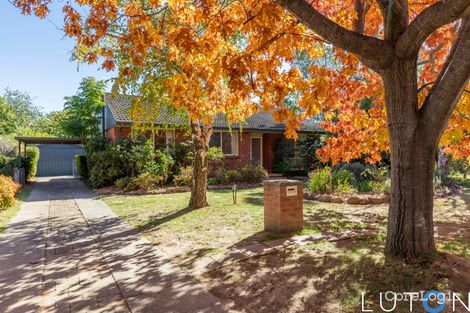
x: 107, y: 167
x: 342, y: 176
x: 30, y: 162
x: 381, y: 187
x: 82, y: 166
x: 364, y: 186
x: 185, y: 176
x: 213, y: 181
x: 8, y: 190
x: 184, y: 153
x: 215, y: 154
x: 320, y: 180
x: 147, y: 181
x: 7, y: 163
x: 122, y: 183
x: 252, y: 174
x: 344, y: 186
x: 229, y: 176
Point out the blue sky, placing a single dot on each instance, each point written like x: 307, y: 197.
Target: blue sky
x: 35, y: 57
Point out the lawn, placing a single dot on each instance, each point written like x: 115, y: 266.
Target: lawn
x: 322, y: 276
x: 6, y: 215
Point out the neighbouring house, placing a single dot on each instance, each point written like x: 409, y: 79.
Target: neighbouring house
x: 253, y: 144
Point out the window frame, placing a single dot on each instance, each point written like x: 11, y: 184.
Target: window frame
x: 231, y: 136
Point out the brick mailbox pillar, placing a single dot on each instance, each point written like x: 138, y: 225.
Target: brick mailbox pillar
x: 283, y: 205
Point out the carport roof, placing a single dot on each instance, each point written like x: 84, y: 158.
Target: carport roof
x: 48, y: 140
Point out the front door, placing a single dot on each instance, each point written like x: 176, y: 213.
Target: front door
x: 256, y: 158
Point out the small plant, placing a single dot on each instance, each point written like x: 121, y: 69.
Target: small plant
x: 252, y: 174
x: 122, y: 183
x: 8, y: 190
x: 344, y: 186
x: 215, y: 154
x: 185, y: 177
x: 364, y: 186
x: 229, y: 176
x: 213, y: 181
x: 342, y: 177
x: 381, y: 187
x: 320, y: 180
x: 148, y: 181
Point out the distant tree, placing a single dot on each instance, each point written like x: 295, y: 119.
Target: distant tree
x: 21, y: 104
x: 84, y: 109
x: 7, y: 119
x: 51, y: 124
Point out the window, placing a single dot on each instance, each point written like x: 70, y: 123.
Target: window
x: 228, y: 142
x: 170, y: 140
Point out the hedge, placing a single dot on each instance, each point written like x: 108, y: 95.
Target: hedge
x: 8, y: 191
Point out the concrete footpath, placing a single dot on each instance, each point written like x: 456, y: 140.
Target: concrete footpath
x: 66, y: 251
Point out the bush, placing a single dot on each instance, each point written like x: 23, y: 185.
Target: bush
x: 122, y: 183
x: 8, y: 190
x: 82, y: 166
x: 364, y: 186
x: 7, y: 163
x: 185, y: 177
x: 30, y: 162
x: 229, y: 176
x: 213, y: 181
x: 342, y: 177
x: 107, y: 167
x: 381, y: 187
x: 147, y: 181
x: 215, y: 154
x: 320, y: 180
x: 252, y: 174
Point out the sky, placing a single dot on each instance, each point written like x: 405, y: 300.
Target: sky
x: 35, y: 57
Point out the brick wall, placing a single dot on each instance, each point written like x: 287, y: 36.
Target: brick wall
x: 283, y: 213
x: 244, y: 145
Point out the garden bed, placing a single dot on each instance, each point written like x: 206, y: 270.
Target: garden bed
x: 353, y: 199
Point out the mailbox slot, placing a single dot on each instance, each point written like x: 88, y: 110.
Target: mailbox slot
x: 291, y: 191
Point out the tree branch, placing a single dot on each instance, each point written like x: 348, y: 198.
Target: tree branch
x: 448, y: 88
x: 374, y: 52
x: 433, y: 17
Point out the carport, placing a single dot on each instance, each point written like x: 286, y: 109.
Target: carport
x: 56, y: 155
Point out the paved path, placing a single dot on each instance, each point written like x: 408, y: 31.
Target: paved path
x: 66, y: 251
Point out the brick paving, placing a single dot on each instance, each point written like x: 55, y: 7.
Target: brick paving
x: 67, y: 251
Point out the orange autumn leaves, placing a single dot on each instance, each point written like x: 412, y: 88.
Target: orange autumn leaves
x: 239, y: 57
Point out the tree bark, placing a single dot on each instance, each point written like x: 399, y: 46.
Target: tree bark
x: 410, y: 231
x: 200, y: 137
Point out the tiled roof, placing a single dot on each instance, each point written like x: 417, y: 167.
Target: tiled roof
x: 119, y: 105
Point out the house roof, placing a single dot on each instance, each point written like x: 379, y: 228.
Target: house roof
x: 119, y: 106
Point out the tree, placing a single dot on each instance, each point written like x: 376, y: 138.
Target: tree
x: 226, y: 53
x: 83, y: 111
x: 22, y: 106
x: 7, y: 119
x: 51, y: 124
x: 414, y: 128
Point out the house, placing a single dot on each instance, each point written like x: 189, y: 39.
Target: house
x: 254, y: 143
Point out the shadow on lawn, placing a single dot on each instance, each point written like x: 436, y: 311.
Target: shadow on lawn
x: 326, y: 279
x: 156, y: 221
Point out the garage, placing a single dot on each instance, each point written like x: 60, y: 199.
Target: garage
x: 56, y: 155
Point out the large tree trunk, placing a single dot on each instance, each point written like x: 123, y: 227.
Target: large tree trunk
x: 200, y: 136
x: 410, y: 230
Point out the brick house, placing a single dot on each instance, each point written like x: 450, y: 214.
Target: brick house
x: 253, y: 144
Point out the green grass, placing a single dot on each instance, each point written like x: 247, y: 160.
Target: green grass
x: 322, y: 276
x: 7, y: 214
